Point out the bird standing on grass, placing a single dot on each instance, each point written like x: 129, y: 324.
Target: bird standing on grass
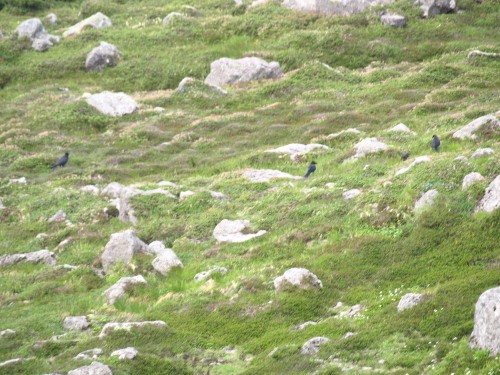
x: 310, y: 169
x: 435, y: 143
x: 61, y: 162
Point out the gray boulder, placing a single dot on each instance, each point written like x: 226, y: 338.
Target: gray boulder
x: 96, y: 21
x: 7, y: 332
x: 409, y: 300
x: 51, y: 19
x: 127, y: 326
x: 90, y: 354
x: 165, y: 260
x: 394, y: 20
x: 266, y: 175
x: 76, y: 323
x: 480, y: 152
x: 115, y: 104
x: 171, y: 16
x: 297, y: 278
x: 1, y: 34
x: 230, y: 71
x: 471, y: 179
x: 432, y: 8
x: 121, y: 248
x: 126, y: 353
x: 491, y: 199
x: 96, y: 368
x: 90, y: 189
x: 481, y: 54
x: 486, y: 332
x: 331, y: 7
x: 232, y: 231
x: 469, y: 130
x: 295, y: 150
x: 313, y: 345
x: 401, y: 128
x: 33, y: 29
x: 41, y: 256
x: 102, y: 56
x: 426, y: 200
x: 58, y: 217
x: 123, y: 285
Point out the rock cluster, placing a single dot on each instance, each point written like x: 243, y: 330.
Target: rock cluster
x: 33, y: 29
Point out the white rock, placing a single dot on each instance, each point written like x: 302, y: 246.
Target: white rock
x: 97, y: 21
x: 126, y: 353
x: 297, y: 278
x: 401, y: 128
x: 51, y: 18
x: 127, y: 326
x: 352, y: 311
x: 123, y: 285
x: 350, y: 194
x: 7, y: 332
x: 303, y: 326
x: 265, y: 175
x: 104, y: 55
x: 231, y: 231
x: 206, y: 274
x: 486, y: 333
x: 418, y: 160
x: 480, y: 152
x: 296, y: 149
x: 121, y: 248
x: 367, y: 146
x: 166, y: 260
x: 58, y: 217
x: 12, y: 361
x: 185, y: 194
x: 469, y: 130
x: 76, y: 323
x: 313, y: 345
x: 426, y: 200
x: 462, y: 159
x: 168, y: 183
x: 477, y: 53
x: 171, y: 16
x: 33, y: 30
x: 394, y: 20
x: 344, y: 8
x: 20, y: 180
x: 348, y: 334
x: 217, y: 195
x: 471, y: 179
x: 434, y: 7
x: 409, y: 300
x: 90, y: 354
x: 96, y: 368
x: 90, y: 189
x: 42, y: 236
x: 491, y: 199
x: 113, y: 104
x: 346, y: 131
x: 41, y: 256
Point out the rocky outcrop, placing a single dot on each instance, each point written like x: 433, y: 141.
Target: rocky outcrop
x: 394, y: 20
x: 76, y: 323
x: 266, y: 175
x: 121, y: 248
x: 41, y: 256
x: 165, y: 260
x: 486, y: 332
x: 230, y: 71
x: 469, y: 130
x: 471, y: 179
x: 102, y: 56
x: 409, y: 300
x: 300, y: 278
x: 296, y: 149
x: 126, y: 353
x: 96, y: 368
x: 115, y: 104
x: 127, y: 326
x: 232, y: 231
x: 313, y: 345
x: 432, y: 8
x: 96, y: 21
x: 491, y: 199
x: 33, y: 29
x: 123, y: 285
x: 426, y: 200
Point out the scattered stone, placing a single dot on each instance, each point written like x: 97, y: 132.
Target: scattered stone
x: 126, y: 353
x: 51, y: 19
x: 20, y: 180
x: 90, y: 354
x: 303, y: 326
x: 479, y: 153
x: 127, y: 326
x: 97, y: 21
x: 232, y: 231
x: 420, y: 159
x: 432, y: 8
x: 102, y: 56
x: 171, y: 16
x: 168, y: 183
x: 409, y: 300
x: 298, y: 278
x: 41, y: 256
x: 265, y: 175
x: 426, y: 200
x: 113, y: 104
x: 401, y: 128
x: 367, y: 146
x: 490, y: 201
x: 348, y: 334
x: 346, y: 131
x: 469, y: 130
x: 76, y: 323
x: 185, y: 194
x: 343, y: 8
x: 350, y: 194
x: 486, y: 333
x: 123, y: 285
x: 394, y: 20
x: 12, y: 361
x: 7, y: 332
x: 217, y: 195
x: 121, y: 248
x: 58, y: 217
x: 313, y: 345
x: 230, y: 71
x: 96, y: 368
x: 90, y: 189
x: 478, y: 54
x: 166, y: 260
x: 351, y: 312
x: 296, y: 149
x: 33, y: 30
x: 206, y: 274
x: 471, y: 179
x: 189, y: 84
x: 42, y: 236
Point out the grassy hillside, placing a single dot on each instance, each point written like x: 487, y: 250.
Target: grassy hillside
x: 370, y: 250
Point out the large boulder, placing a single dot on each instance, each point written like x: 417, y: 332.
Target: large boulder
x: 409, y: 300
x: 97, y: 21
x: 109, y: 327
x: 329, y: 7
x: 123, y: 285
x: 41, y: 256
x: 469, y: 130
x: 434, y: 7
x: 426, y: 200
x: 121, y: 248
x: 102, y: 56
x: 76, y: 323
x: 471, y: 179
x: 266, y: 175
x: 33, y: 29
x: 113, y: 104
x: 96, y: 368
x: 486, y: 333
x: 297, y: 149
x: 297, y: 278
x: 165, y: 260
x: 491, y: 199
x: 232, y: 231
x: 229, y: 71
x: 313, y: 345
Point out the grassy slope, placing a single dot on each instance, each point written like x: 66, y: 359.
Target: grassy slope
x: 371, y: 250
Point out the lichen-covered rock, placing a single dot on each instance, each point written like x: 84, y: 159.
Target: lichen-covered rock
x: 266, y: 175
x: 230, y: 71
x: 127, y: 326
x: 115, y: 104
x: 126, y: 353
x: 313, y: 345
x: 123, y: 285
x: 394, y: 20
x: 96, y: 368
x: 469, y: 130
x: 231, y: 231
x: 471, y: 179
x: 76, y: 323
x: 41, y: 256
x: 297, y: 278
x: 491, y: 199
x: 96, y: 21
x: 409, y: 300
x: 486, y: 333
x: 426, y: 200
x: 104, y: 55
x: 121, y: 248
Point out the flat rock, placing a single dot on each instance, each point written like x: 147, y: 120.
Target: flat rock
x: 96, y: 21
x: 481, y: 54
x: 171, y: 16
x: 343, y: 132
x: 166, y: 259
x: 297, y: 149
x: 7, y: 332
x: 230, y: 71
x: 90, y: 354
x: 76, y: 323
x: 123, y: 285
x: 104, y: 55
x: 126, y: 353
x: 351, y: 311
x: 115, y: 104
x: 471, y: 179
x: 96, y: 368
x: 426, y: 200
x: 127, y: 326
x: 266, y: 175
x: 303, y: 326
x: 432, y: 8
x: 394, y: 20
x: 58, y: 217
x: 121, y: 248
x: 469, y: 130
x: 401, y: 128
x: 297, y: 278
x: 207, y: 274
x: 418, y: 160
x: 481, y: 152
x: 90, y: 189
x: 41, y: 256
x: 186, y: 194
x: 491, y: 199
x: 409, y: 300
x: 329, y: 7
x: 313, y: 345
x: 12, y: 361
x: 367, y: 146
x: 20, y: 180
x: 231, y: 231
x: 486, y: 333
x: 193, y: 85
x: 350, y: 194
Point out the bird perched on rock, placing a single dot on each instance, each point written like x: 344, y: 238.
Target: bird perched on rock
x: 310, y: 169
x: 405, y: 155
x: 61, y: 162
x: 435, y: 143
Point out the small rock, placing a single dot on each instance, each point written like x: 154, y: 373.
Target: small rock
x: 480, y: 54
x: 350, y: 194
x: 426, y: 200
x: 51, y: 19
x: 185, y: 194
x: 97, y: 21
x: 33, y: 30
x: 313, y: 345
x: 299, y: 278
x: 41, y: 256
x: 90, y: 189
x: 90, y: 354
x: 486, y: 333
x: 102, y: 56
x: 76, y: 323
x: 7, y: 332
x: 482, y: 152
x: 96, y: 368
x: 351, y: 312
x: 108, y: 327
x: 401, y: 128
x: 394, y: 20
x: 432, y: 8
x: 21, y: 180
x: 121, y: 248
x: 462, y: 159
x: 346, y: 131
x: 168, y: 183
x: 166, y: 260
x: 491, y: 199
x: 42, y: 236
x: 303, y: 326
x: 348, y: 334
x: 231, y: 231
x: 217, y: 195
x: 367, y: 146
x: 189, y: 84
x: 297, y: 149
x: 409, y: 300
x: 471, y: 179
x: 12, y: 361
x: 58, y: 217
x: 126, y: 353
x: 206, y: 274
x: 171, y: 16
x: 266, y: 175
x: 119, y: 288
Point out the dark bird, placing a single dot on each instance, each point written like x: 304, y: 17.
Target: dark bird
x: 61, y: 162
x: 435, y: 143
x: 310, y: 169
x: 405, y: 155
